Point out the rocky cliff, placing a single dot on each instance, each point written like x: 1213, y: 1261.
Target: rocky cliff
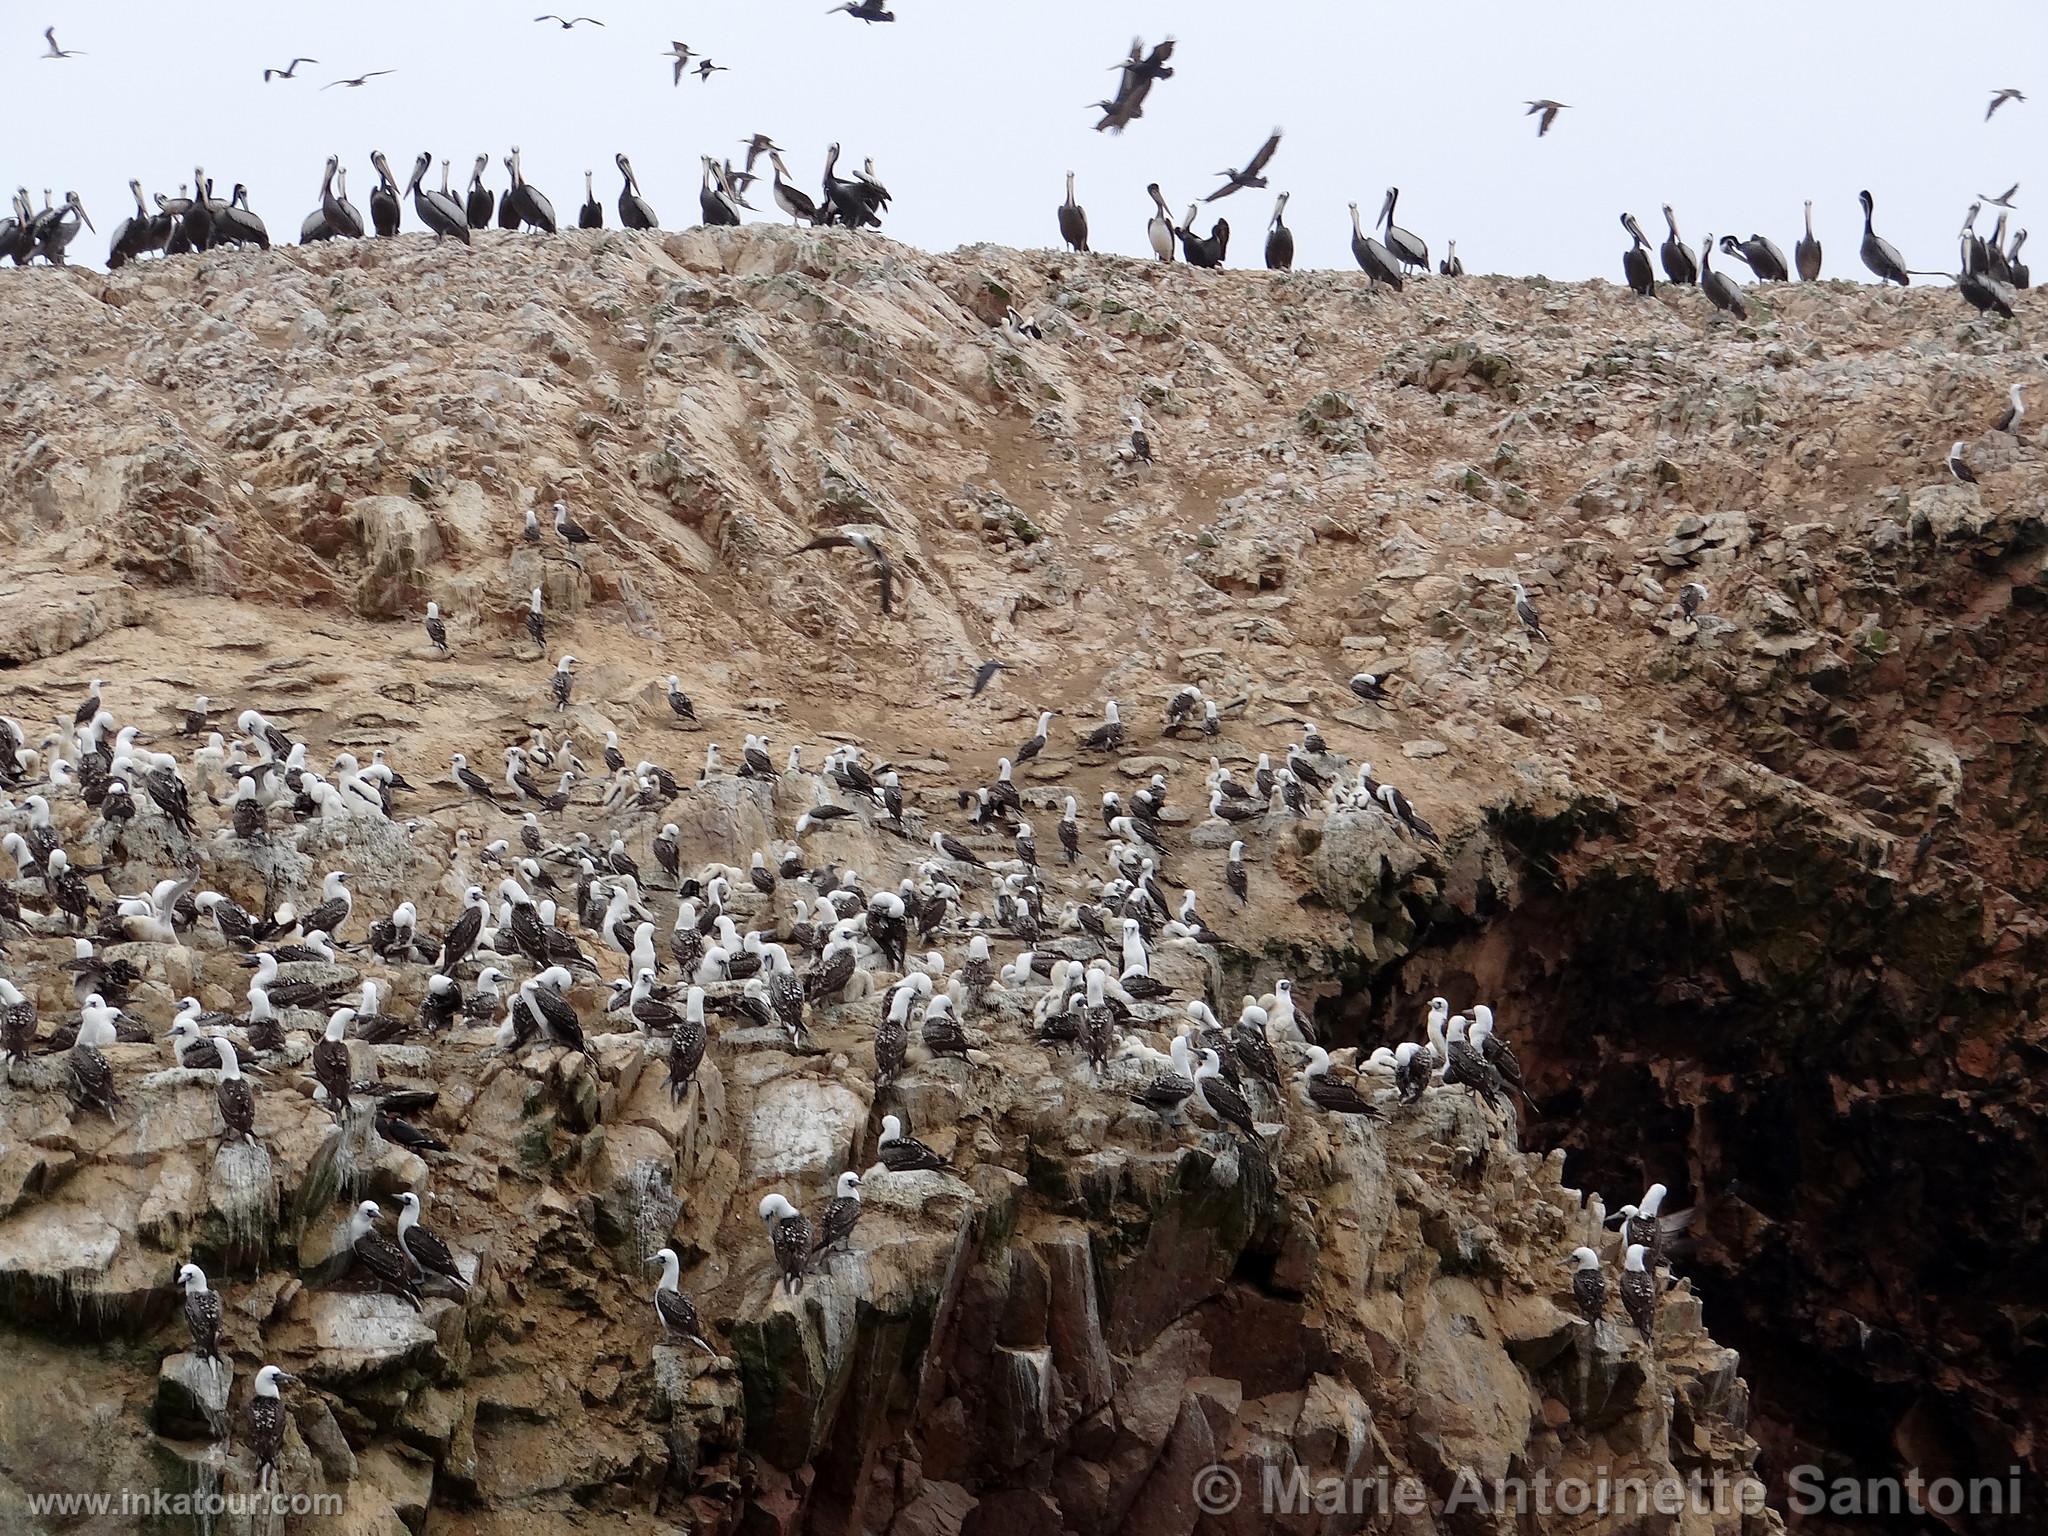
x: 1753, y: 893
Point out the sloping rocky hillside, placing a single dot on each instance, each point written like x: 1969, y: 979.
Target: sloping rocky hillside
x: 1754, y: 895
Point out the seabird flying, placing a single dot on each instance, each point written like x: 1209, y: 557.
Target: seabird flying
x: 358, y: 80
x: 1549, y: 109
x: 289, y: 72
x: 1250, y: 176
x: 853, y: 538
x: 2000, y: 97
x: 569, y: 21
x: 50, y: 35
x: 864, y: 10
x: 2004, y: 199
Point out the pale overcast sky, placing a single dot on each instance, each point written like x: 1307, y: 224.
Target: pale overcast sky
x: 1734, y: 112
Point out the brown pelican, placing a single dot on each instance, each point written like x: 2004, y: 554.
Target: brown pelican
x: 237, y: 222
x: 1635, y: 261
x: 197, y: 220
x: 480, y: 199
x: 526, y: 200
x: 1279, y: 239
x: 358, y: 81
x: 1408, y: 249
x: 55, y: 234
x: 1159, y: 228
x: 1807, y: 251
x: 791, y: 200
x: 2018, y: 268
x: 1204, y: 251
x: 713, y: 198
x: 1995, y: 262
x: 591, y: 214
x: 1675, y: 254
x: 1073, y: 220
x: 438, y: 211
x: 342, y: 218
x: 1765, y: 260
x: 1235, y: 181
x: 1549, y: 109
x: 1451, y: 266
x: 844, y: 202
x: 635, y: 212
x: 1879, y: 254
x: 130, y: 238
x: 384, y: 204
x: 2000, y: 98
x: 1376, y: 260
x: 289, y: 72
x: 1976, y: 258
x: 1718, y: 285
x: 14, y: 237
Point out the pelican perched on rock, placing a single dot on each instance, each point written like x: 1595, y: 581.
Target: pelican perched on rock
x: 1807, y: 251
x: 384, y: 201
x: 1073, y: 220
x: 1679, y: 267
x: 791, y: 199
x: 1635, y: 261
x: 1878, y: 253
x: 439, y: 212
x: 1719, y: 287
x: 1408, y: 248
x: 342, y: 219
x: 1764, y: 258
x: 479, y: 202
x: 1377, y: 261
x: 635, y: 212
x: 1159, y: 228
x: 524, y: 201
x: 715, y: 197
x: 1279, y: 239
x: 591, y: 214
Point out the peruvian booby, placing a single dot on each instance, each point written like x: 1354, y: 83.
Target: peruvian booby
x: 563, y: 681
x: 1690, y: 597
x: 906, y: 1154
x: 1168, y: 1091
x: 678, y: 1313
x: 1525, y: 613
x: 1639, y: 1291
x: 841, y: 1215
x: 330, y: 1061
x: 1329, y: 1095
x: 380, y: 1258
x: 428, y: 1254
x: 1108, y: 736
x: 266, y: 1423
x: 54, y: 52
x: 789, y: 1236
x: 1548, y: 110
x: 2009, y: 420
x: 1589, y: 1286
x: 2000, y: 97
x: 1958, y: 466
x: 232, y: 1092
x: 202, y: 1313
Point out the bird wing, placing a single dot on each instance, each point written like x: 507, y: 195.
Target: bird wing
x: 827, y: 541
x: 1265, y: 153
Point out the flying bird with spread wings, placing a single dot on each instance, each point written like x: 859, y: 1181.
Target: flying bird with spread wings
x: 358, y: 81
x: 60, y: 53
x: 2000, y: 98
x: 569, y: 21
x: 1549, y: 109
x: 865, y: 10
x: 1237, y: 181
x: 289, y: 72
x: 853, y: 538
x: 2004, y: 199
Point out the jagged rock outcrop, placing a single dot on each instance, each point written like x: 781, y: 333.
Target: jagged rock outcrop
x: 1755, y: 894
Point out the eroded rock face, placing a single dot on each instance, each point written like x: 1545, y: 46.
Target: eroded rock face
x: 1681, y: 857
